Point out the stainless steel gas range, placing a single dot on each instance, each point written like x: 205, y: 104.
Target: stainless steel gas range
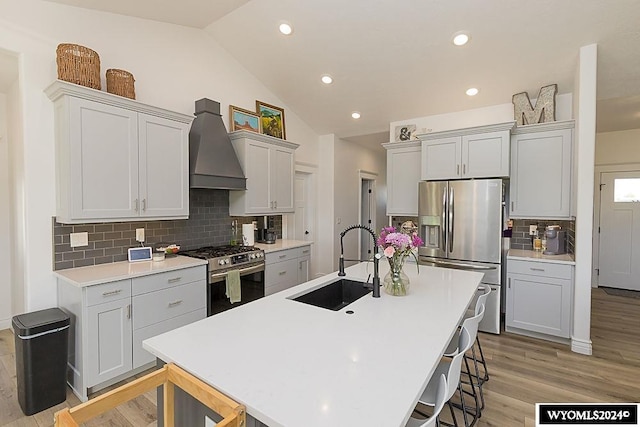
x: 248, y: 260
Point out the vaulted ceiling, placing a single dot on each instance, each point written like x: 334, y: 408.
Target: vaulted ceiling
x: 395, y: 60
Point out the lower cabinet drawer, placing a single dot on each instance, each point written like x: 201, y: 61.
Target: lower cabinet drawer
x: 165, y: 304
x: 279, y: 256
x: 140, y: 355
x: 281, y: 273
x: 546, y: 269
x: 107, y: 292
x: 169, y: 279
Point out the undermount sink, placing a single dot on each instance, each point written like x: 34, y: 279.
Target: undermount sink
x: 335, y: 295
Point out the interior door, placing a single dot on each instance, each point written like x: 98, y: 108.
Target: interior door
x: 302, y: 220
x: 620, y: 230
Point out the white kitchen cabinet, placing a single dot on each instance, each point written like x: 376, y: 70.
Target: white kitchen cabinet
x: 268, y: 165
x: 110, y: 320
x: 286, y: 268
x: 110, y: 349
x: 304, y: 262
x: 539, y: 298
x: 542, y: 171
x: 118, y: 159
x: 478, y: 152
x: 163, y: 302
x: 403, y: 175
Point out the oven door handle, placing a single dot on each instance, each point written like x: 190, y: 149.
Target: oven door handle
x: 243, y: 271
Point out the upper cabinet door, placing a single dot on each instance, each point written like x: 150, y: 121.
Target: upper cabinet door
x: 164, y: 167
x: 268, y: 165
x: 117, y: 159
x: 441, y: 158
x: 485, y: 155
x: 103, y: 151
x: 477, y: 152
x: 541, y: 174
x: 282, y: 179
x: 403, y: 175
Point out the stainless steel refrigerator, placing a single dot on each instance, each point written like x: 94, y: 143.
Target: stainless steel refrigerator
x: 461, y: 224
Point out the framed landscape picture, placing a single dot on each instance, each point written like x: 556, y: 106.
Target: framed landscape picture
x: 271, y: 119
x: 242, y: 119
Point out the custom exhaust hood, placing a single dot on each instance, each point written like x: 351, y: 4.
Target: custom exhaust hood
x: 213, y: 162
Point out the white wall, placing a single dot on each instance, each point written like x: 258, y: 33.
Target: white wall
x: 324, y: 243
x: 618, y: 147
x: 5, y: 247
x: 478, y: 117
x: 349, y: 160
x: 173, y: 67
x: 585, y: 136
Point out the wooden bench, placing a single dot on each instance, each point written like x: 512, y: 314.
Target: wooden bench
x: 169, y: 376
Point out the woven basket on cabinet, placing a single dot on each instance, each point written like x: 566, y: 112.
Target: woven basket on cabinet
x: 78, y: 64
x: 121, y: 82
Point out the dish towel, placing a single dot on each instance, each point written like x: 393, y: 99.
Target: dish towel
x: 233, y: 286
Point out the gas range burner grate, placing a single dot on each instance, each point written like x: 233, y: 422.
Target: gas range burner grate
x: 218, y: 251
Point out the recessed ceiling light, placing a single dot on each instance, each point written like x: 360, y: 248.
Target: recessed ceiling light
x: 355, y: 115
x: 285, y: 28
x: 327, y: 79
x: 460, y: 39
x: 472, y: 91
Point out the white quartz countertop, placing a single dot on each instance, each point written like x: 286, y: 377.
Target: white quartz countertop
x: 103, y: 273
x: 538, y: 256
x: 294, y: 364
x: 282, y: 245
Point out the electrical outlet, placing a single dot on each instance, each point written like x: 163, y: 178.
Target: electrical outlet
x: 79, y: 239
x: 533, y: 229
x: 140, y: 235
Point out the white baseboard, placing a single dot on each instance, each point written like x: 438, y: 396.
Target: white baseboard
x: 5, y: 324
x: 581, y: 346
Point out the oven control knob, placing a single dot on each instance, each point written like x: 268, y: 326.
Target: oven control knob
x: 252, y: 256
x: 221, y: 262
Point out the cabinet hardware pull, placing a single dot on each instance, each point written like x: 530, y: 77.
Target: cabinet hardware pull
x: 144, y: 205
x: 275, y: 204
x: 282, y: 273
x: 115, y: 292
x: 174, y: 280
x: 305, y: 252
x: 282, y: 256
x: 174, y: 303
x: 509, y: 282
x: 512, y: 206
x: 129, y: 311
x: 464, y: 169
x: 457, y: 169
x: 136, y: 202
x: 536, y: 269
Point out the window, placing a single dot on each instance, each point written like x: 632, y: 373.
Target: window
x: 626, y: 190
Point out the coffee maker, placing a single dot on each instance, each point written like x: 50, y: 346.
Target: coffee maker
x: 265, y: 234
x: 556, y: 239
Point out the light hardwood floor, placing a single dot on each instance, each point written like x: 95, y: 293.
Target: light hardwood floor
x: 523, y: 371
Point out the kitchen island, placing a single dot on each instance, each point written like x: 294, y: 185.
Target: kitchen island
x: 293, y: 364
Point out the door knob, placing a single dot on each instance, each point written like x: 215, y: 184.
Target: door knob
x: 306, y: 232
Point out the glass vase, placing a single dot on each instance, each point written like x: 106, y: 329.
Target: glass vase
x: 396, y: 282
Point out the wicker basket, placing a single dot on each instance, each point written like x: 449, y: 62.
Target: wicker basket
x: 78, y: 64
x: 121, y: 82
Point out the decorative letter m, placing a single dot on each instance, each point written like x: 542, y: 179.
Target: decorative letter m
x: 545, y: 110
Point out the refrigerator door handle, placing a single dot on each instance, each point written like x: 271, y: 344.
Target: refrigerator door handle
x: 443, y: 230
x: 460, y: 265
x: 451, y: 219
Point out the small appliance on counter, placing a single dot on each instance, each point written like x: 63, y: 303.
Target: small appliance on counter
x: 555, y: 240
x: 265, y: 234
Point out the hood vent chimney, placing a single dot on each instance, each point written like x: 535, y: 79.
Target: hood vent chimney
x: 213, y: 162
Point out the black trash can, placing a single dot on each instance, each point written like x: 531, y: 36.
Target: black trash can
x: 41, y: 358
